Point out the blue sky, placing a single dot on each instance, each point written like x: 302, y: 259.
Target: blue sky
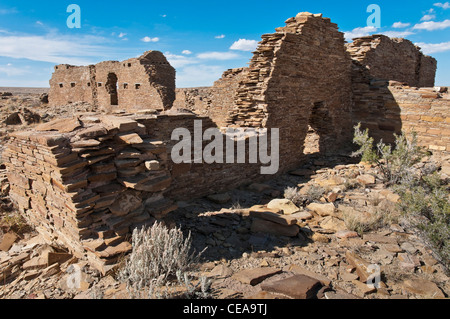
x: 201, y: 39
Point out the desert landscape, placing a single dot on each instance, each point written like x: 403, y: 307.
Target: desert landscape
x: 94, y: 204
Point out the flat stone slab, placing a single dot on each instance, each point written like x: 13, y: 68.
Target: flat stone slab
x: 272, y: 215
x: 380, y: 239
x: 423, y: 287
x: 299, y: 270
x: 286, y: 205
x: 7, y: 241
x: 361, y: 265
x: 322, y: 209
x: 255, y: 276
x: 296, y: 287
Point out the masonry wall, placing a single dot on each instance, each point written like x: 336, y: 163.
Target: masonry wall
x: 71, y: 84
x: 215, y: 102
x: 147, y: 82
x: 298, y: 77
x: 86, y: 183
x: 394, y: 59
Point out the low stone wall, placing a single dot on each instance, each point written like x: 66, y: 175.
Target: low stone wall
x: 86, y: 182
x: 388, y: 107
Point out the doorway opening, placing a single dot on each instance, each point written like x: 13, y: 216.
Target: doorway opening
x: 111, y: 88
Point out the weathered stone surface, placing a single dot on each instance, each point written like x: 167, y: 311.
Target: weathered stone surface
x: 303, y: 271
x: 366, y: 179
x: 272, y: 215
x: 360, y: 264
x: 130, y: 138
x: 60, y: 125
x: 333, y: 223
x: 268, y: 227
x: 287, y: 206
x: 7, y: 241
x: 322, y: 209
x: 303, y: 215
x: 255, y: 276
x: 423, y: 287
x: 296, y: 287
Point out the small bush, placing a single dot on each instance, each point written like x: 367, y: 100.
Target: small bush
x: 395, y: 165
x: 426, y: 204
x: 293, y: 195
x: 158, y: 254
x: 364, y: 222
x: 314, y: 192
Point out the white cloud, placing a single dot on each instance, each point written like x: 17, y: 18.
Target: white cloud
x: 39, y: 23
x: 221, y: 56
x: 10, y: 70
x: 397, y: 34
x: 198, y: 75
x: 8, y: 11
x: 428, y: 17
x: 187, y: 52
x: 244, y: 45
x: 432, y: 25
x: 430, y: 48
x: 164, y: 15
x: 179, y: 61
x: 148, y: 39
x: 122, y: 34
x: 360, y: 32
x: 400, y: 25
x: 54, y: 48
x: 444, y: 6
x: 220, y: 36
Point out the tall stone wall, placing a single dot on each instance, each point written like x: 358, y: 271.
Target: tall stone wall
x: 71, y: 84
x: 394, y: 59
x: 147, y: 82
x: 299, y: 77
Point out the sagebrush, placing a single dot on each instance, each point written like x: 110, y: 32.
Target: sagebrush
x: 158, y: 255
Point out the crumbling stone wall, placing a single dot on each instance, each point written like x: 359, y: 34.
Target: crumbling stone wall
x: 214, y: 102
x: 394, y: 59
x: 386, y: 74
x: 85, y: 182
x: 147, y: 82
x: 299, y: 76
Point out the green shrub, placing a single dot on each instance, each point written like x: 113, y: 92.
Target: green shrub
x: 395, y: 165
x: 426, y: 203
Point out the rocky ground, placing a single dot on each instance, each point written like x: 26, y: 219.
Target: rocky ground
x: 291, y: 237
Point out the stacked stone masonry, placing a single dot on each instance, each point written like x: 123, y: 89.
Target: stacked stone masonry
x: 134, y: 84
x: 87, y: 182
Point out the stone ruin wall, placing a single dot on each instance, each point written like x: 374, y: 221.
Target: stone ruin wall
x: 87, y: 182
x: 394, y: 59
x: 298, y: 92
x: 214, y: 102
x: 147, y: 82
x: 392, y: 84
